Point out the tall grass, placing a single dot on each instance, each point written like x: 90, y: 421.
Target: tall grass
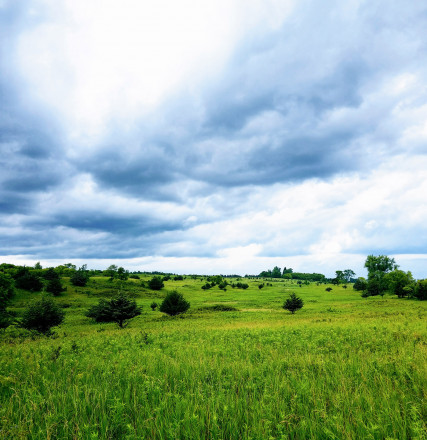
x: 341, y: 368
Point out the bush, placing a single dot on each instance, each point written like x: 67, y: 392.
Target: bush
x: 155, y: 283
x: 42, y: 315
x: 54, y: 287
x: 79, y: 278
x: 174, y: 303
x: 7, y: 290
x: 421, y: 290
x: 29, y: 281
x: 153, y: 306
x: 328, y: 289
x: 360, y: 284
x: 119, y: 309
x: 293, y: 303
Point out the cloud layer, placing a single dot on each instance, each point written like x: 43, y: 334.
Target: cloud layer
x: 239, y: 134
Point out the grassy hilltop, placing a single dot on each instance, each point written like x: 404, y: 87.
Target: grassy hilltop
x: 342, y: 367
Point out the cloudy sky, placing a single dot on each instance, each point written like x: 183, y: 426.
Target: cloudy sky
x: 223, y: 136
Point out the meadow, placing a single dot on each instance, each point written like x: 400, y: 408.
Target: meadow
x: 342, y: 367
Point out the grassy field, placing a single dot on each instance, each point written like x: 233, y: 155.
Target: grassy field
x: 343, y: 367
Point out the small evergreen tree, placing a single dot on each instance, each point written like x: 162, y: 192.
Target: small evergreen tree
x: 153, y: 306
x: 293, y: 303
x: 119, y: 309
x: 29, y: 281
x: 174, y: 303
x: 80, y: 277
x: 42, y: 315
x: 54, y: 287
x: 155, y: 283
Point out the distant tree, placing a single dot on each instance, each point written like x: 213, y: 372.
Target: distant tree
x: 360, y: 284
x: 339, y: 277
x: 7, y: 290
x: 260, y: 286
x: 122, y: 274
x: 111, y: 271
x: 397, y: 280
x: 153, y: 306
x: 119, y: 309
x: 420, y: 291
x: 29, y: 281
x: 155, y: 283
x: 293, y: 303
x: 80, y: 277
x: 174, y: 304
x: 328, y: 289
x: 348, y: 275
x: 276, y: 272
x: 42, y: 315
x: 54, y: 287
x: 178, y: 277
x: 38, y: 266
x: 378, y: 267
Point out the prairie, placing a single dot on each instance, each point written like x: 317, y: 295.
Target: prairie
x: 342, y: 367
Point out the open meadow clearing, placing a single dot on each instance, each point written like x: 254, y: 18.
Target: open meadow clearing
x: 342, y: 367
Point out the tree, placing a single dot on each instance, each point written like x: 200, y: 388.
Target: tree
x: 155, y: 283
x: 111, y: 272
x: 420, y: 291
x: 7, y: 290
x: 122, y: 274
x: 377, y: 267
x: 397, y: 280
x: 339, y: 277
x: 29, y: 281
x: 80, y: 277
x: 153, y: 306
x: 42, y: 315
x: 328, y: 289
x: 360, y: 284
x: 348, y: 275
x: 293, y: 303
x: 119, y: 309
x: 54, y: 286
x: 276, y: 272
x: 174, y: 303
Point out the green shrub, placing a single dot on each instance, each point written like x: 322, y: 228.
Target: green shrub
x: 155, y: 283
x: 79, y: 278
x: 153, y: 306
x: 42, y: 315
x: 293, y: 303
x: 174, y: 303
x: 54, y: 287
x: 119, y: 309
x: 29, y: 281
x: 421, y: 290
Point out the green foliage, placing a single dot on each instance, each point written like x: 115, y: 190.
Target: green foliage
x: 397, y: 280
x: 119, y: 309
x: 122, y: 274
x: 80, y: 278
x: 178, y: 277
x: 174, y: 304
x: 28, y: 281
x: 41, y: 315
x: 360, y: 284
x: 153, y: 306
x: 218, y: 308
x: 7, y: 290
x: 156, y: 283
x: 50, y: 274
x: 328, y: 289
x: 420, y: 291
x: 54, y: 287
x: 293, y: 303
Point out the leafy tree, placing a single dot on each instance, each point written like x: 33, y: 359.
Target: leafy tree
x: 397, y: 280
x: 42, y: 315
x: 377, y: 267
x: 155, y: 283
x: 38, y: 266
x: 80, y: 277
x: 178, y: 277
x: 174, y: 303
x: 54, y: 286
x: 339, y: 277
x: 276, y: 272
x: 7, y: 290
x: 119, y: 309
x: 348, y: 275
x: 122, y: 274
x: 153, y: 306
x: 29, y: 281
x: 50, y: 274
x: 111, y: 272
x: 293, y: 303
x: 360, y: 284
x: 420, y: 291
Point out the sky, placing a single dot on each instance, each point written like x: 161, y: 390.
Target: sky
x: 225, y: 136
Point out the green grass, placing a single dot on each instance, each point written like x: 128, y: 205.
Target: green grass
x: 343, y: 367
